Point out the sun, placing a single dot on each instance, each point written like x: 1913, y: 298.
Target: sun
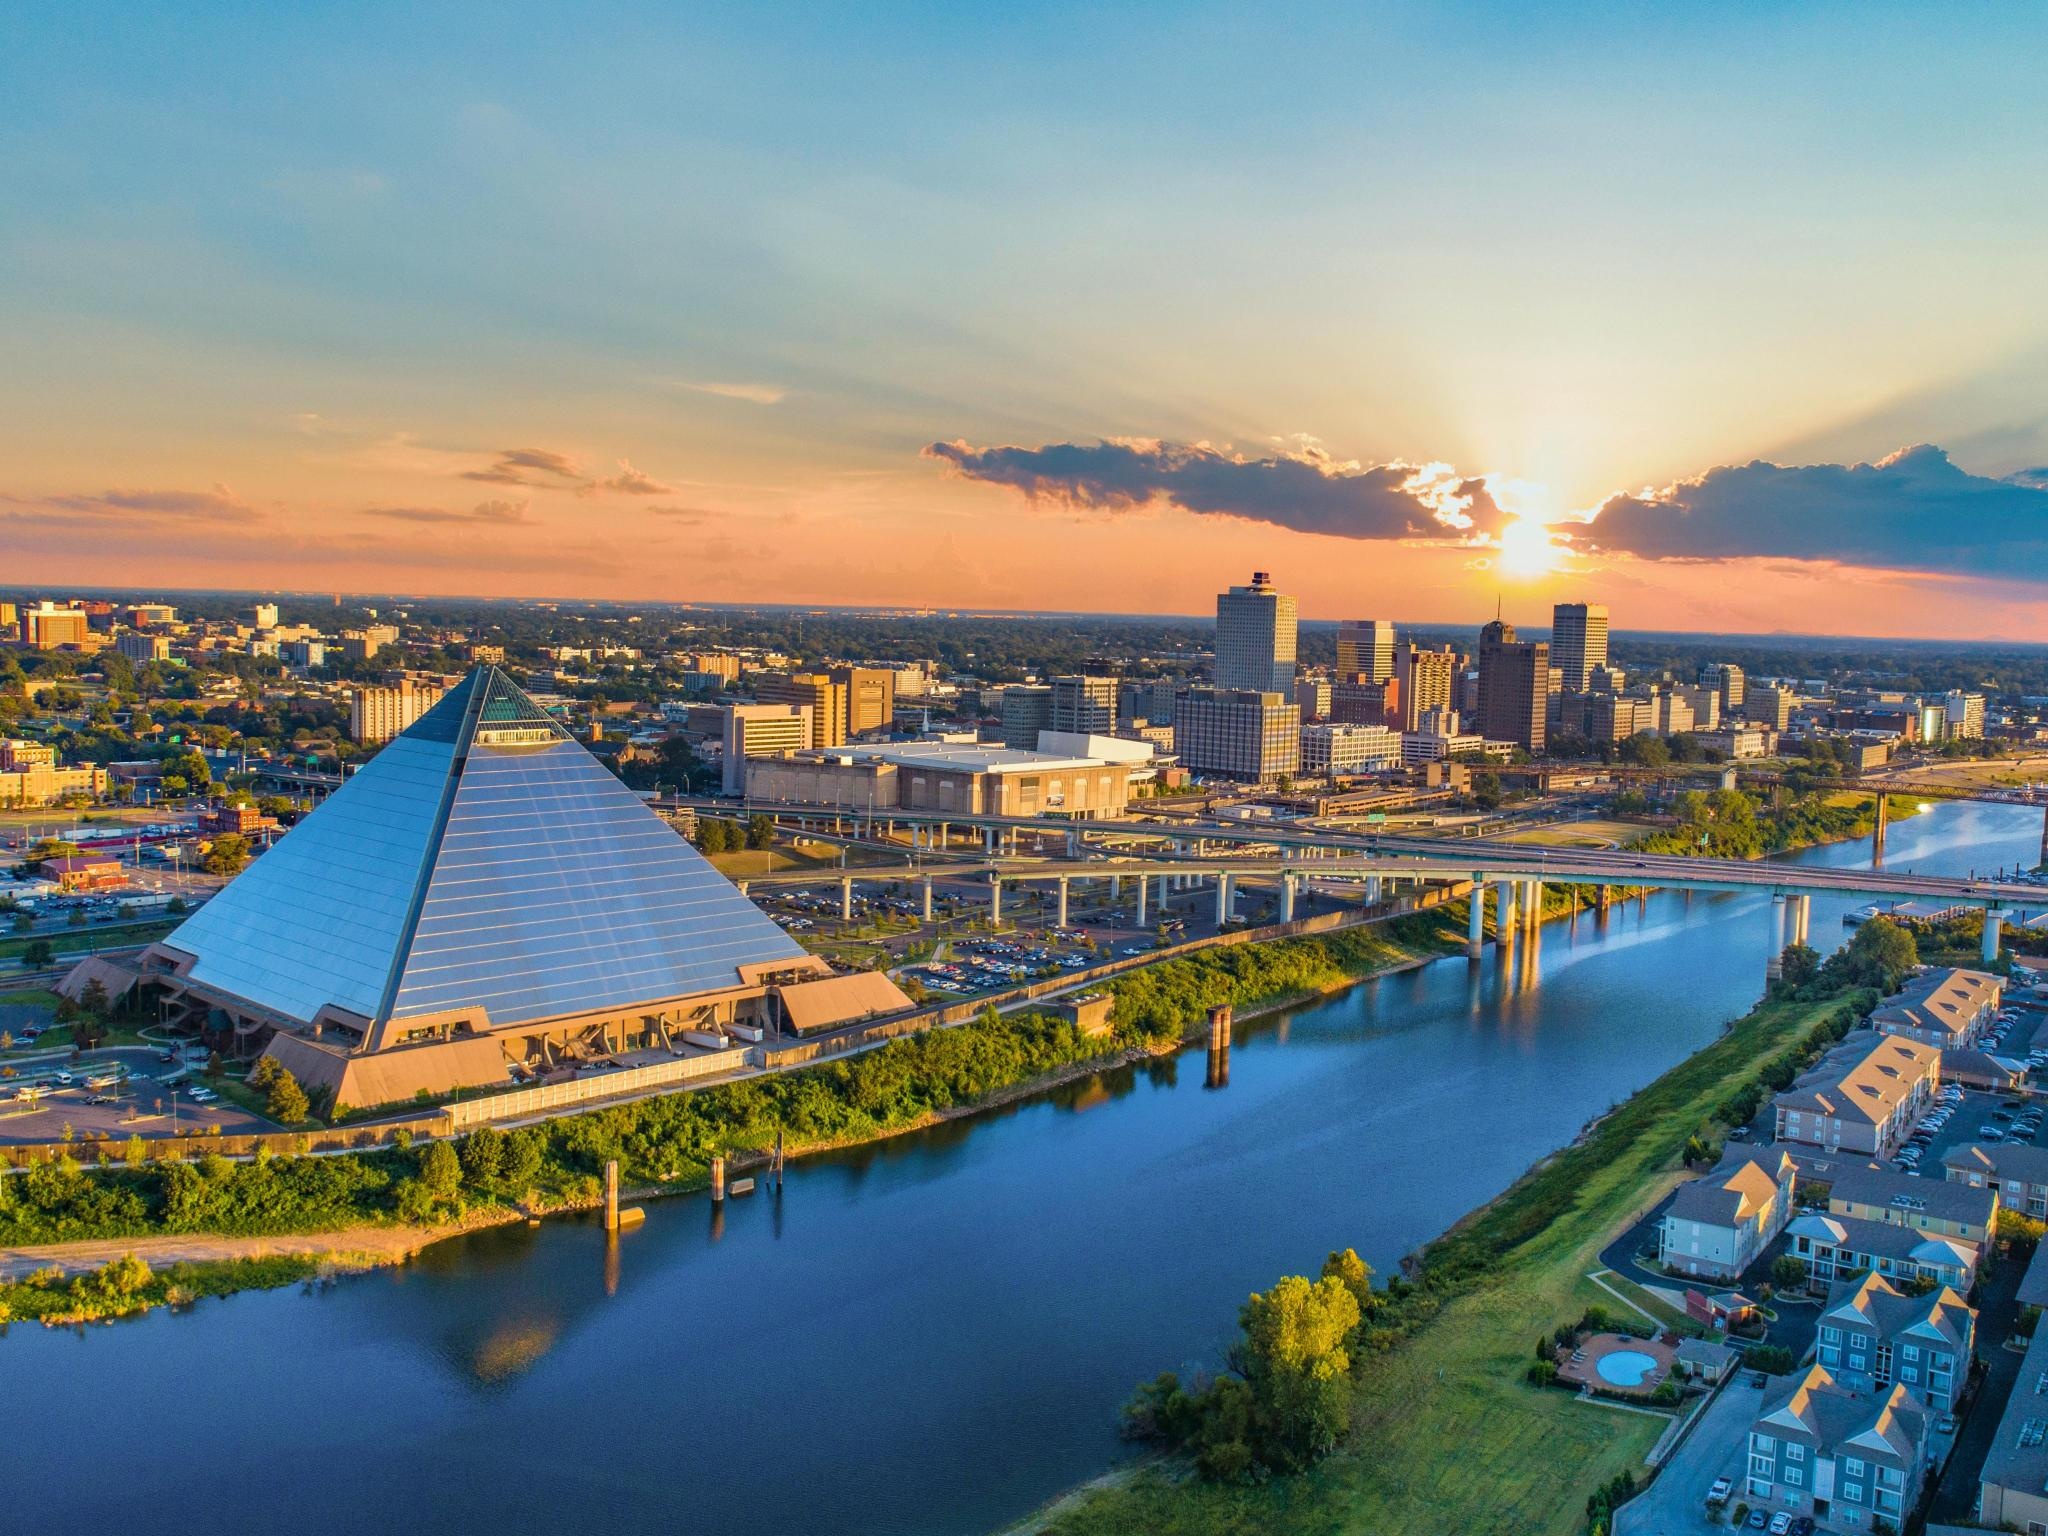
x: 1527, y: 549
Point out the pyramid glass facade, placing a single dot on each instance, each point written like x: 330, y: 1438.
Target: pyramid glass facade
x: 483, y: 861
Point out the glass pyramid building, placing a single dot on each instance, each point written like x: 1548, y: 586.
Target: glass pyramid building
x: 483, y: 873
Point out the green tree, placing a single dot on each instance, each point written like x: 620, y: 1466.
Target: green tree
x: 1788, y: 1272
x: 1296, y: 1358
x: 760, y: 830
x: 525, y: 1150
x: 38, y: 954
x: 1880, y: 955
x: 287, y: 1103
x: 1356, y: 1277
x: 440, y: 1170
x: 228, y: 854
x: 483, y: 1154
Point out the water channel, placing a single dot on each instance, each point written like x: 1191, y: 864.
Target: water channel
x: 929, y: 1335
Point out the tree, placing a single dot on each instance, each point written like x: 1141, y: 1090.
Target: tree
x: 1356, y: 1276
x: 1296, y: 1358
x: 1880, y: 955
x: 760, y: 831
x: 483, y: 1154
x: 1486, y: 790
x: 711, y: 834
x: 1799, y: 965
x: 287, y: 1103
x: 440, y: 1170
x: 38, y: 954
x: 227, y: 856
x: 1788, y: 1272
x: 524, y: 1149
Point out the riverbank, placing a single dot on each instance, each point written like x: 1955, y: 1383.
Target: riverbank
x: 95, y: 1219
x: 1447, y: 1436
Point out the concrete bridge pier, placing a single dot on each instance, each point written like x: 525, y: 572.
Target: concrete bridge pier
x: 1226, y: 899
x: 988, y: 841
x: 1475, y: 925
x: 1141, y: 901
x: 1373, y: 890
x: 1504, y: 919
x: 2044, y: 839
x: 1287, y: 898
x: 1532, y: 905
x: 927, y: 898
x: 945, y: 835
x: 846, y: 900
x: 1884, y: 810
x: 1802, y: 915
x: 995, y: 898
x: 1994, y: 923
x: 1775, y: 966
x: 1062, y: 883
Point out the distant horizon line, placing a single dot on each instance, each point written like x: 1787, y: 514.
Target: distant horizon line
x: 941, y: 611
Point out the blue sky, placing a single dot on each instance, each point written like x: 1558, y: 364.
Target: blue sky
x: 766, y: 254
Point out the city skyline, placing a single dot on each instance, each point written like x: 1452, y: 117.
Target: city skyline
x: 703, y: 309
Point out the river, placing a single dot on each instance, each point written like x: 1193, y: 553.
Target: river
x: 928, y: 1335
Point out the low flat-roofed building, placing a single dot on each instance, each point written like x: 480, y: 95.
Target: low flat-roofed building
x: 967, y: 779
x: 1907, y: 1200
x: 1863, y: 1096
x: 2012, y: 1489
x: 1946, y: 1008
x: 86, y: 872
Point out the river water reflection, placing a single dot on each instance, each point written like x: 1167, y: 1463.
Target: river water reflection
x: 929, y: 1335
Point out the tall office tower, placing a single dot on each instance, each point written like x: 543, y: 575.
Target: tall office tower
x: 1365, y: 648
x: 47, y: 626
x: 870, y: 697
x: 1354, y: 701
x: 1964, y: 715
x: 1148, y: 698
x: 1255, y: 638
x: 1514, y: 687
x: 1426, y: 680
x: 1237, y: 733
x: 1725, y: 678
x: 1085, y: 706
x: 815, y: 691
x: 1027, y: 710
x: 1578, y: 642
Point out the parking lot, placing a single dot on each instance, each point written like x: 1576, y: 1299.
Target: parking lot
x: 38, y: 1105
x: 1676, y: 1503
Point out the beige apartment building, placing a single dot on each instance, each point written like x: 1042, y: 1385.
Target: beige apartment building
x: 812, y: 691
x: 761, y: 731
x: 376, y: 714
x: 29, y: 775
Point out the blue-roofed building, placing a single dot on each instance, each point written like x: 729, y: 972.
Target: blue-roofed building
x: 483, y: 898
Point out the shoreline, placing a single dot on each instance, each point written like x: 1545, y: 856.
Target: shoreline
x: 366, y: 1247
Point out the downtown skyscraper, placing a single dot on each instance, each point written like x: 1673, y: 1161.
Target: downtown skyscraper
x: 1578, y: 642
x: 1255, y: 631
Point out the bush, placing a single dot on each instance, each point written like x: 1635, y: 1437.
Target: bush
x: 1543, y: 1373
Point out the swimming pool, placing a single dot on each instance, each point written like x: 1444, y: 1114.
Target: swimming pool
x: 1625, y: 1367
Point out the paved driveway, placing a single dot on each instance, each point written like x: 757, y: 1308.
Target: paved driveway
x: 1676, y: 1503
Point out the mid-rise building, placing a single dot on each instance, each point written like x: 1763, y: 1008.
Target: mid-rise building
x: 1355, y: 701
x: 1424, y: 680
x: 1083, y: 706
x: 376, y: 714
x: 1149, y: 699
x: 1719, y: 1225
x: 1514, y: 687
x: 1334, y: 748
x: 1769, y: 706
x: 1818, y: 1448
x: 1963, y: 715
x: 761, y: 730
x: 260, y: 616
x: 1237, y: 733
x: 302, y: 654
x: 1365, y: 648
x: 870, y: 697
x: 483, y: 653
x: 1834, y: 1246
x: 1578, y: 643
x: 1726, y: 679
x: 1255, y: 638
x: 1863, y: 1096
x: 48, y: 626
x: 1027, y: 710
x: 967, y: 778
x: 1704, y: 703
x: 149, y: 615
x: 1947, y: 1008
x: 364, y: 644
x: 2012, y: 1488
x: 143, y: 648
x: 814, y: 691
x: 30, y: 776
x: 1312, y: 697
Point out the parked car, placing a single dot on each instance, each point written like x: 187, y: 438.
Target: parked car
x: 1757, y: 1520
x: 1781, y: 1524
x: 1718, y: 1494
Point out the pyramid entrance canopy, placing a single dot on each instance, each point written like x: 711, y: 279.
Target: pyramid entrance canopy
x: 484, y: 861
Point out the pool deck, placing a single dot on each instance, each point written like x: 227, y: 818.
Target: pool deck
x: 1582, y: 1367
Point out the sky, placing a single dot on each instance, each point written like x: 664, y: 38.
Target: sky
x: 1730, y: 316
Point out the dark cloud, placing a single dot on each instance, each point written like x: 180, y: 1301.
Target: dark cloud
x: 1305, y: 489
x: 218, y: 504
x: 1914, y: 510
x: 518, y: 466
x: 496, y: 513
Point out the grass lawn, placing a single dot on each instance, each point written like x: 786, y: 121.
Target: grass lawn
x: 71, y: 941
x: 1448, y: 1436
x: 34, y: 997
